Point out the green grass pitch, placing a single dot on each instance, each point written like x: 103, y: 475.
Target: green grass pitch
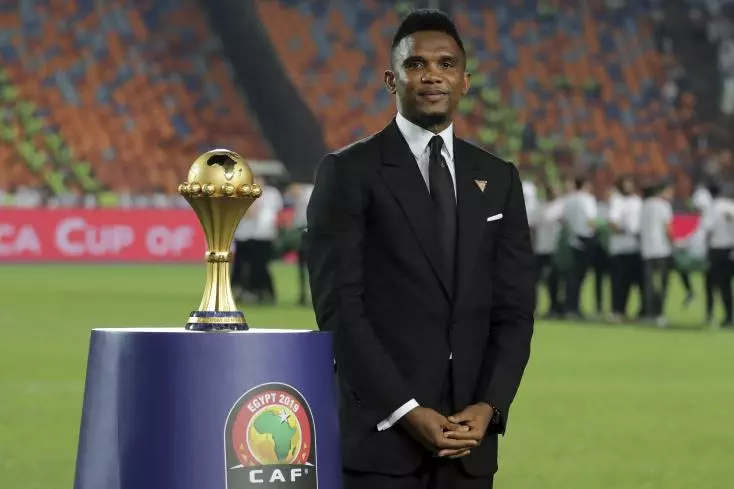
x: 601, y: 406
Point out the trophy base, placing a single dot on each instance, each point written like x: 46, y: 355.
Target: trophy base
x: 217, y: 321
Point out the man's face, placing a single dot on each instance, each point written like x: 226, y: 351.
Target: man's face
x: 628, y: 186
x: 668, y: 193
x: 428, y: 78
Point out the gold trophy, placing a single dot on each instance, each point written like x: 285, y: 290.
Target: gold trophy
x: 220, y: 190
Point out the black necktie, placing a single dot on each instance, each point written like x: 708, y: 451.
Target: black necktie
x: 441, y: 186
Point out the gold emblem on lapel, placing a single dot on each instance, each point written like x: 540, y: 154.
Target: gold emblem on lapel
x: 482, y: 184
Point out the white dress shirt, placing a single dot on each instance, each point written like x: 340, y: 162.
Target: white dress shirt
x: 578, y: 211
x: 655, y: 217
x: 530, y: 193
x: 418, y: 139
x: 547, y: 224
x: 702, y: 198
x: 265, y: 210
x: 717, y: 222
x: 624, y: 212
x: 299, y: 214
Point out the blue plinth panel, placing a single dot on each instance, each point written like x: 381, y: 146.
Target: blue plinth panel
x: 175, y: 409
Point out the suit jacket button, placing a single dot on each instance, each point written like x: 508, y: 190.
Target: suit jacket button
x: 453, y: 326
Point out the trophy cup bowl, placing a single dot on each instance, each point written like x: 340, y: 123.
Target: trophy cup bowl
x: 219, y: 189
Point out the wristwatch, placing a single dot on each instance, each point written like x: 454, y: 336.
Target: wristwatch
x: 496, y: 417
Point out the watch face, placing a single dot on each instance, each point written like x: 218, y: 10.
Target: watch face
x: 495, y: 417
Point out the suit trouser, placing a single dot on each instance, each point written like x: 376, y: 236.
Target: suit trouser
x: 600, y: 264
x: 548, y: 272
x: 242, y: 267
x: 625, y: 272
x: 582, y: 258
x: 261, y: 281
x: 657, y: 272
x: 433, y: 473
x: 719, y: 276
x: 709, y: 289
x: 685, y: 279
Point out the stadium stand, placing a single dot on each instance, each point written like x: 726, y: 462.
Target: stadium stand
x: 550, y: 77
x: 116, y: 96
x: 695, y: 38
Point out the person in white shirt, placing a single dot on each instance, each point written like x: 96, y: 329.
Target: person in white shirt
x: 579, y: 216
x: 701, y: 198
x: 624, y: 247
x: 600, y: 254
x: 656, y: 248
x: 530, y: 194
x: 265, y: 211
x: 717, y: 223
x: 545, y: 225
x: 242, y: 266
x: 697, y: 243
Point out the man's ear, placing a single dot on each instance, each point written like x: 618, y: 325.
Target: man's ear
x: 390, y: 82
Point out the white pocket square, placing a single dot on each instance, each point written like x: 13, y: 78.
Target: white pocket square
x: 496, y: 217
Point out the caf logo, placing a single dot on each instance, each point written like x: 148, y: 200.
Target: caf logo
x: 270, y: 440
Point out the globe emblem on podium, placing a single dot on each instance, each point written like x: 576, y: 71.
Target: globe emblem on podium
x: 274, y: 436
x: 270, y: 436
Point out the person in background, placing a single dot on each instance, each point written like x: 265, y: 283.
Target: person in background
x: 546, y: 227
x: 302, y: 195
x: 701, y: 197
x: 242, y: 266
x: 718, y: 225
x: 265, y: 212
x: 624, y: 247
x: 685, y: 279
x: 656, y: 248
x: 579, y: 215
x: 696, y: 245
x: 600, y: 252
x: 530, y: 195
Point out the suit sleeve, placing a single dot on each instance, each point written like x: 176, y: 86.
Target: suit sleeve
x: 513, y: 303
x: 336, y: 228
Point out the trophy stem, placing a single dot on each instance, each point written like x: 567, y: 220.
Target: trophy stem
x: 218, y: 310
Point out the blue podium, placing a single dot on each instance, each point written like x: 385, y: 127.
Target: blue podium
x: 174, y: 409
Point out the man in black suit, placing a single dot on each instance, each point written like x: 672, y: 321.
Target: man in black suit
x: 420, y: 263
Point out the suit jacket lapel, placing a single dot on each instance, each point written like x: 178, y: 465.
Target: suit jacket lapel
x: 406, y: 183
x: 471, y: 208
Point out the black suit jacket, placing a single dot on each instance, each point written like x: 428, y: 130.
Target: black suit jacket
x: 377, y: 283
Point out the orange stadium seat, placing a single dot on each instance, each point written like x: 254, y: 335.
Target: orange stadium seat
x: 540, y: 55
x: 137, y: 89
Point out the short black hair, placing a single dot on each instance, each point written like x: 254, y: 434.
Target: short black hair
x: 579, y: 182
x: 649, y: 190
x: 427, y: 19
x: 714, y: 189
x: 657, y: 188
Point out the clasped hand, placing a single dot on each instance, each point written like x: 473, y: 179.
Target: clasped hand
x: 453, y: 436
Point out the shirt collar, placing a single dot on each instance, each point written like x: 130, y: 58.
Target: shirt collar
x: 418, y: 138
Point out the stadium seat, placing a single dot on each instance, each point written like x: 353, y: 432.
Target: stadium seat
x: 117, y: 95
x: 568, y: 73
